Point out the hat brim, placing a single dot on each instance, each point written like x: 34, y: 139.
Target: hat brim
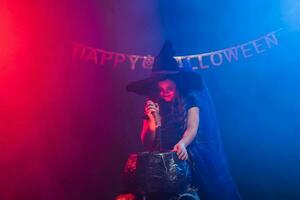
x: 185, y: 81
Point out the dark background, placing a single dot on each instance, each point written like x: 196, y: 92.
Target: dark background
x: 67, y: 126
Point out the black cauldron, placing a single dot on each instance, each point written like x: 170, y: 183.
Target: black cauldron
x: 156, y: 173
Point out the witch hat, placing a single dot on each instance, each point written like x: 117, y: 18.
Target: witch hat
x: 166, y: 67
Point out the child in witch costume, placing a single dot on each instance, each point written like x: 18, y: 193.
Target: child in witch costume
x: 179, y: 102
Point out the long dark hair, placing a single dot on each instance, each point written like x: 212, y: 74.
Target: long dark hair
x: 178, y: 105
x: 179, y: 108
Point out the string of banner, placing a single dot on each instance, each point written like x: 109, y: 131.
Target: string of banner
x: 203, y: 61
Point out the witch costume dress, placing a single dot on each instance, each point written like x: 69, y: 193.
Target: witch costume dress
x: 210, y: 170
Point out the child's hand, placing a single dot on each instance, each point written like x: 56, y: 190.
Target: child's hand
x: 152, y: 111
x: 181, y: 151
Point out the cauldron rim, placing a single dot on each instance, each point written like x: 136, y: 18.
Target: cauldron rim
x: 164, y: 152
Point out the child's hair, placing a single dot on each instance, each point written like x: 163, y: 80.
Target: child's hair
x: 179, y: 108
x: 178, y: 104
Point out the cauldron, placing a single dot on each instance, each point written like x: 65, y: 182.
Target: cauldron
x: 156, y: 173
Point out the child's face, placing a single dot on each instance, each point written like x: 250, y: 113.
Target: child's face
x: 167, y: 90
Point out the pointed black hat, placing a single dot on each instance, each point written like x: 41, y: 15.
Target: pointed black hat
x: 166, y: 67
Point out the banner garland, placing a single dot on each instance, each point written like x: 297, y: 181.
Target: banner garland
x: 202, y: 61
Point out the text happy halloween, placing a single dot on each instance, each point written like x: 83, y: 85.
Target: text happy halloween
x: 204, y: 60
